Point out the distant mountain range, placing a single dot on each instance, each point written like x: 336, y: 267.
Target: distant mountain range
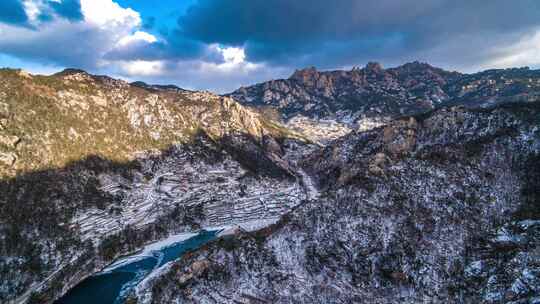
x: 370, y: 96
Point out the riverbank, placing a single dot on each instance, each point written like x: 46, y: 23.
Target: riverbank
x: 114, y: 282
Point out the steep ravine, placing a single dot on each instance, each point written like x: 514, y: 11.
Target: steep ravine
x: 440, y: 208
x: 256, y: 210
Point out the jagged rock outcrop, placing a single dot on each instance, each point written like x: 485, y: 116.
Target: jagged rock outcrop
x: 372, y: 96
x: 438, y: 208
x: 351, y: 96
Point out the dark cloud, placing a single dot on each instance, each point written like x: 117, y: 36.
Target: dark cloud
x: 323, y: 33
x: 12, y: 12
x: 61, y: 44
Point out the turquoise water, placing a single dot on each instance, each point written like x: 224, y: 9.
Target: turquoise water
x: 110, y: 287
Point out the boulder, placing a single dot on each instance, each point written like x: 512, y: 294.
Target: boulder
x: 271, y: 145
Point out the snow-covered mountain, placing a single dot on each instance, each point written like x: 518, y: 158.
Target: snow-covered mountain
x: 438, y: 208
x: 410, y: 185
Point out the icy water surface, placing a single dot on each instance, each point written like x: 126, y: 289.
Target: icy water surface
x: 112, y: 284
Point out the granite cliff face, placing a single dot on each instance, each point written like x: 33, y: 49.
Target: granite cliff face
x: 361, y: 99
x: 350, y: 95
x: 437, y: 208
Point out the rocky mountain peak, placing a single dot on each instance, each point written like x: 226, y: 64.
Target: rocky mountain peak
x: 71, y: 71
x: 71, y: 74
x: 374, y: 67
x: 421, y: 69
x: 351, y: 97
x: 417, y: 65
x: 305, y: 76
x: 157, y: 87
x: 155, y: 117
x: 373, y: 92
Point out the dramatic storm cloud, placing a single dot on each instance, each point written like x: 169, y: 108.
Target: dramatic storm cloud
x: 344, y: 32
x: 220, y: 45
